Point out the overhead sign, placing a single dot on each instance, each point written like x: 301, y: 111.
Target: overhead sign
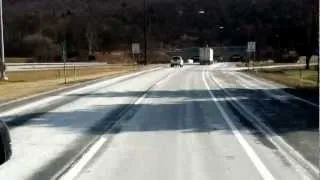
x: 251, y: 46
x: 135, y: 48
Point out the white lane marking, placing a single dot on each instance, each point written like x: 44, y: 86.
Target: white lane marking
x: 264, y: 172
x: 271, y: 67
x: 249, y: 85
x: 36, y: 95
x: 51, y: 91
x: 261, y: 82
x: 271, y: 135
x: 76, y: 169
x: 48, y: 100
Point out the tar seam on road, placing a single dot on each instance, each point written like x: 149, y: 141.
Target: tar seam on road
x: 290, y: 153
x: 78, y: 164
x: 262, y: 169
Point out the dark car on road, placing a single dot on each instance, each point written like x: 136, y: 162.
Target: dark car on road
x: 196, y: 59
x: 236, y: 58
x: 176, y: 61
x: 5, y: 143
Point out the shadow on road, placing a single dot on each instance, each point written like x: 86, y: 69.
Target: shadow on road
x: 296, y: 121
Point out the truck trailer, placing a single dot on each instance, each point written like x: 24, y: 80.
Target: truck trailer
x: 206, y: 56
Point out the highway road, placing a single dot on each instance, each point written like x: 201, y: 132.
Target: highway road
x: 47, y: 66
x: 196, y: 122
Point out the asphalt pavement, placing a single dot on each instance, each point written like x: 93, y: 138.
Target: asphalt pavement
x: 170, y: 123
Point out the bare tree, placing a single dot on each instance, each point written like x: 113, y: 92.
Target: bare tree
x: 312, y: 24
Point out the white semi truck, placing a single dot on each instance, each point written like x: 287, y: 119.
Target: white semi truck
x: 206, y: 56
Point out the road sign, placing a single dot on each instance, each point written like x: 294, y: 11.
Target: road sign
x: 251, y: 46
x: 135, y: 48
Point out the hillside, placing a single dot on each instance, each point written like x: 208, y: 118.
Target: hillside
x: 102, y: 25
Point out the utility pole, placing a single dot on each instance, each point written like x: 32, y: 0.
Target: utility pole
x: 318, y: 50
x: 65, y: 17
x: 145, y: 6
x: 248, y: 37
x: 64, y: 50
x: 64, y: 56
x: 3, y: 63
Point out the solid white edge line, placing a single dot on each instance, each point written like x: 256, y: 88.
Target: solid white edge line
x: 262, y: 169
x: 54, y: 90
x: 249, y: 85
x: 47, y: 100
x: 76, y: 169
x: 265, y: 129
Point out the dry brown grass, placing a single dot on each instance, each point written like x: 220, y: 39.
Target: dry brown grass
x: 71, y: 73
x: 295, y: 77
x: 18, y: 60
x: 26, y: 83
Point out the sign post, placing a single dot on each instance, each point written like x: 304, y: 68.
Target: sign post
x: 135, y: 49
x: 251, y: 49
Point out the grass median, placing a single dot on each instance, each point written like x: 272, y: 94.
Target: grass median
x: 300, y: 82
x: 293, y: 77
x: 258, y: 63
x: 26, y: 83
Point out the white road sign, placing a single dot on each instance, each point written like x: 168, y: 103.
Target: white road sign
x: 136, y: 48
x: 251, y: 46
